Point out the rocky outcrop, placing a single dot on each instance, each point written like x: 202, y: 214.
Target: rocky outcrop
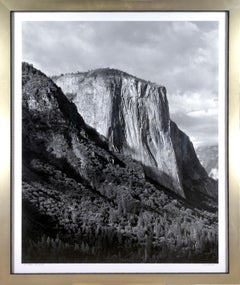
x: 193, y: 176
x: 133, y: 115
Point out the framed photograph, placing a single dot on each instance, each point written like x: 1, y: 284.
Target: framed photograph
x: 124, y: 123
x: 119, y: 138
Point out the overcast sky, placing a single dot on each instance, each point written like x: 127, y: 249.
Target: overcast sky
x: 182, y: 56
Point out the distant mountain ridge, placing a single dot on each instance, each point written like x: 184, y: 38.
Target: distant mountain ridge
x: 208, y: 156
x: 133, y: 115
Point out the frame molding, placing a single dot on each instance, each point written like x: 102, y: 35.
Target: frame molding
x: 233, y: 7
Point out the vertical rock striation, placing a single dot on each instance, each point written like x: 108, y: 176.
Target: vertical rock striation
x: 134, y: 115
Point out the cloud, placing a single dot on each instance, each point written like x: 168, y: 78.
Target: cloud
x: 182, y: 56
x: 196, y: 113
x: 200, y: 128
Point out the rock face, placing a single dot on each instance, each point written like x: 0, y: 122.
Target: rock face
x: 84, y: 203
x: 193, y: 176
x: 54, y: 131
x: 133, y: 115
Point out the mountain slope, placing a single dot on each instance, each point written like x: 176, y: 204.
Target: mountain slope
x: 133, y: 115
x: 84, y: 203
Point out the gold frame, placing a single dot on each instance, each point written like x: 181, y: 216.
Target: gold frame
x: 233, y: 6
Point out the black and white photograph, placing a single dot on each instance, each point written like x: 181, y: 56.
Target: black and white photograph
x: 119, y: 142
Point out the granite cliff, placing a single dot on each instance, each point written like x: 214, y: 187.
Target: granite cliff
x: 133, y: 114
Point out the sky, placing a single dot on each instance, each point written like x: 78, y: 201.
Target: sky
x: 182, y: 56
